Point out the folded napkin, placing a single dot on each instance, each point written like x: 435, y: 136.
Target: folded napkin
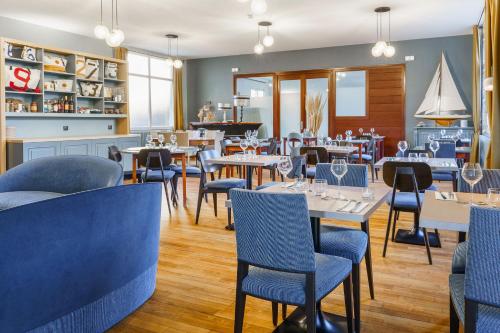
x: 353, y: 207
x: 446, y: 196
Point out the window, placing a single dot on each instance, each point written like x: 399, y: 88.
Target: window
x: 485, y: 128
x: 351, y: 94
x: 151, y: 95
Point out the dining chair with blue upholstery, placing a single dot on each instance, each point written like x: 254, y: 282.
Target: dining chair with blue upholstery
x: 491, y: 179
x: 369, y: 157
x: 215, y: 186
x: 475, y: 295
x: 276, y: 258
x: 408, y: 181
x: 447, y: 149
x: 314, y: 155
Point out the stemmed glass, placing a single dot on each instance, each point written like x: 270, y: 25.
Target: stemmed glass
x: 443, y: 133
x: 361, y: 130
x: 403, y: 146
x: 338, y: 169
x: 173, y: 139
x: 244, y: 145
x: 339, y: 138
x: 472, y: 174
x: 149, y: 140
x: 284, y: 167
x: 372, y: 131
x: 255, y: 145
x: 161, y: 139
x: 434, y: 147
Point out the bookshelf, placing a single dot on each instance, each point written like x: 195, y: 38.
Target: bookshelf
x: 111, y: 102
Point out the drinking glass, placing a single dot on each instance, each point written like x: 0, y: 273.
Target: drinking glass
x: 173, y: 139
x: 430, y: 138
x: 472, y: 174
x: 372, y: 131
x: 244, y: 145
x: 443, y: 133
x: 255, y: 145
x: 149, y: 140
x: 424, y: 157
x: 413, y: 157
x: 284, y: 167
x: 403, y: 146
x: 338, y: 169
x: 494, y: 197
x: 248, y: 134
x: 319, y: 187
x: 161, y: 139
x: 434, y: 147
x: 361, y: 132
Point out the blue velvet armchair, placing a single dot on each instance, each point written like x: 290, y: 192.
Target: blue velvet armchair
x: 78, y: 263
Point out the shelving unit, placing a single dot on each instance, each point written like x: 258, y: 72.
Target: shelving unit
x: 119, y: 109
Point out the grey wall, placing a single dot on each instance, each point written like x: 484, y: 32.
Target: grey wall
x: 53, y: 38
x: 211, y: 79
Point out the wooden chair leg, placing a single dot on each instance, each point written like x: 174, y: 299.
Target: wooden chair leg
x: 368, y: 259
x: 198, y: 206
x: 239, y: 309
x: 275, y: 313
x: 437, y: 238
x: 168, y: 199
x: 348, y: 302
x: 283, y: 311
x: 215, y: 204
x: 427, y: 247
x: 454, y: 321
x: 356, y: 290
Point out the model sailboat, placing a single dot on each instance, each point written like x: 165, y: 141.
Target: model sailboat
x: 442, y: 102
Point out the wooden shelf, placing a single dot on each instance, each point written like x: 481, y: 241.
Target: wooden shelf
x: 22, y: 61
x: 59, y: 92
x: 114, y: 80
x: 63, y: 115
x: 88, y: 80
x: 89, y: 97
x: 59, y: 73
x: 113, y: 102
x: 22, y: 93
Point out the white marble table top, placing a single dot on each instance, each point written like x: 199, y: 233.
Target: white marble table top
x: 136, y: 150
x: 436, y: 164
x: 340, y: 149
x: 249, y: 160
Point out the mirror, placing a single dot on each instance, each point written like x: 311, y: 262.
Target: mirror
x: 350, y: 94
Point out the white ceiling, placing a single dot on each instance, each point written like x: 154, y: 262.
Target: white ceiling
x: 211, y: 28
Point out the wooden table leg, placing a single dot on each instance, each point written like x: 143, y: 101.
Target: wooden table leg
x: 134, y: 168
x: 360, y: 151
x: 228, y: 171
x: 259, y: 177
x: 184, y: 195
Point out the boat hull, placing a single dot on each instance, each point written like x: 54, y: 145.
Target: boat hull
x: 443, y: 120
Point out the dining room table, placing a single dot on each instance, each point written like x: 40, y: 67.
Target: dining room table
x: 181, y: 153
x: 344, y: 204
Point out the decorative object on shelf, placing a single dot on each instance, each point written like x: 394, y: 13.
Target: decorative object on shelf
x: 49, y: 86
x: 29, y: 53
x: 224, y: 107
x: 111, y: 70
x: 241, y: 102
x: 442, y: 102
x: 33, y: 107
x: 314, y: 112
x: 382, y: 46
x: 90, y: 89
x: 206, y: 112
x: 22, y: 79
x: 63, y: 86
x: 80, y: 66
x: 114, y: 94
x: 177, y: 62
x: 112, y: 111
x: 7, y: 50
x: 54, y: 62
x: 91, y: 69
x: 14, y: 105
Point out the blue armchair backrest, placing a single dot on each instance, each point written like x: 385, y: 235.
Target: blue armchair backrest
x: 62, y: 254
x: 62, y: 174
x: 273, y: 230
x: 357, y: 175
x: 482, y: 275
x: 207, y: 155
x: 491, y: 179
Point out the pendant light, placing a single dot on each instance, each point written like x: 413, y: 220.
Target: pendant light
x: 258, y: 7
x: 177, y: 62
x: 116, y: 36
x: 101, y: 31
x: 268, y: 40
x: 258, y: 48
x: 381, y: 46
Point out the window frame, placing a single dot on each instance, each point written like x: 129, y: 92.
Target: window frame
x: 150, y: 77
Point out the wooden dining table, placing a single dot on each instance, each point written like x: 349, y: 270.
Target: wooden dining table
x: 328, y: 207
x: 180, y: 153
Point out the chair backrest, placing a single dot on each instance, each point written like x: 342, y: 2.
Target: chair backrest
x: 273, y: 230
x: 153, y: 155
x: 357, y: 175
x: 205, y: 155
x: 491, y: 179
x: 295, y: 141
x: 404, y: 181
x: 447, y: 149
x: 63, y: 174
x: 114, y: 154
x: 298, y: 169
x: 482, y: 273
x: 318, y: 154
x: 272, y: 149
x: 182, y: 138
x: 223, y: 145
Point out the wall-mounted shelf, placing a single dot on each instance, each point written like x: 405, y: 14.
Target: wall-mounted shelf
x: 22, y: 61
x: 89, y: 97
x: 113, y: 102
x: 59, y: 73
x: 88, y: 80
x: 114, y: 80
x: 63, y: 115
x: 22, y: 92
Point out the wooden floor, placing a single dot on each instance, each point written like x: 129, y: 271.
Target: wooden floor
x: 197, y: 269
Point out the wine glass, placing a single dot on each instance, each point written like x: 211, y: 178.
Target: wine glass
x: 403, y: 146
x: 472, y: 174
x: 244, y: 145
x: 173, y: 139
x: 430, y: 138
x: 255, y: 145
x: 338, y: 168
x: 413, y: 157
x: 434, y: 147
x: 339, y: 138
x: 284, y: 167
x: 149, y: 140
x: 443, y: 133
x: 361, y: 130
x: 372, y: 131
x: 424, y: 157
x: 161, y: 139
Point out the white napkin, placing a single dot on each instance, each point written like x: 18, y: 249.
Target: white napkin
x: 348, y: 207
x: 445, y: 196
x: 361, y: 207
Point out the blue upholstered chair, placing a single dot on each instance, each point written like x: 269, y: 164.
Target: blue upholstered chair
x: 491, y: 179
x: 52, y: 177
x: 215, y: 186
x: 276, y: 259
x: 349, y: 243
x: 298, y: 170
x: 369, y: 157
x: 475, y: 295
x: 295, y: 141
x: 81, y: 262
x: 314, y: 156
x: 447, y: 149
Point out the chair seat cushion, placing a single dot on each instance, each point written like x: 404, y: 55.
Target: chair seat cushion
x: 289, y: 288
x: 190, y: 170
x: 155, y: 175
x: 344, y: 242
x: 311, y: 172
x: 266, y: 185
x: 19, y: 198
x: 365, y: 157
x: 442, y: 176
x: 226, y: 183
x: 488, y: 317
x: 459, y: 259
x: 405, y: 200
x: 432, y: 188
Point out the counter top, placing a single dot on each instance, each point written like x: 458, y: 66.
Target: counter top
x: 71, y: 138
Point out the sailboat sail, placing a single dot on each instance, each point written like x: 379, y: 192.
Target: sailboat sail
x: 442, y: 96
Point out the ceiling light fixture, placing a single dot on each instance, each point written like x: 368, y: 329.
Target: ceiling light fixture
x: 258, y: 7
x: 258, y: 48
x: 101, y: 31
x: 381, y: 46
x: 268, y: 40
x: 116, y: 37
x: 177, y: 62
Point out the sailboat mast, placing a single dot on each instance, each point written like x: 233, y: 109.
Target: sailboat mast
x: 440, y: 82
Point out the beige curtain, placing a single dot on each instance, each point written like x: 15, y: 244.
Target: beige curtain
x: 120, y: 53
x: 178, y: 97
x: 476, y: 94
x: 492, y: 68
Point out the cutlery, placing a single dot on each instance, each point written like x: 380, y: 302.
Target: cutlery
x: 442, y: 195
x: 355, y: 207
x: 344, y: 206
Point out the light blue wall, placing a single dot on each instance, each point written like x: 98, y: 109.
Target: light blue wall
x: 211, y: 79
